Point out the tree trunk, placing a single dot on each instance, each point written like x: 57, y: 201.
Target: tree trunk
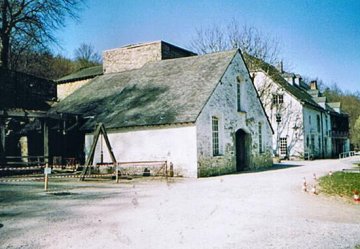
x: 5, y: 42
x: 5, y: 35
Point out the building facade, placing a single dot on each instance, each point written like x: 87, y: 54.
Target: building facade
x: 202, y: 113
x: 305, y: 124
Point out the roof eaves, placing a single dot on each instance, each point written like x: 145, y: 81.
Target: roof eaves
x: 135, y: 127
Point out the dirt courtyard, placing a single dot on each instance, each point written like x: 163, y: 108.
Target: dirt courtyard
x: 250, y: 210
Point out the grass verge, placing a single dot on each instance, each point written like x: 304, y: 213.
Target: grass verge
x: 340, y: 183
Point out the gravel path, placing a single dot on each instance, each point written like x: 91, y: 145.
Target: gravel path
x: 250, y: 210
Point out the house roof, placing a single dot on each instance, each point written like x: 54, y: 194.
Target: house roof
x: 163, y: 92
x: 82, y: 74
x: 255, y: 64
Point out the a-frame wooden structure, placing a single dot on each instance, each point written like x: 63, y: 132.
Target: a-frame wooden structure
x: 100, y: 130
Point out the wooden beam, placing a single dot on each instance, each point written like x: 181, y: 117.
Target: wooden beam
x: 22, y: 113
x: 90, y: 158
x: 108, y: 144
x: 100, y: 129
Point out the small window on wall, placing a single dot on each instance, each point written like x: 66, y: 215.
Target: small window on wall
x: 238, y: 97
x: 307, y: 141
x: 278, y: 99
x: 318, y: 123
x: 327, y: 123
x: 312, y: 144
x: 261, y: 149
x: 325, y: 145
x: 215, y: 136
x: 283, y: 146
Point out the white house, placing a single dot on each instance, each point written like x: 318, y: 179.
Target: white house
x: 202, y: 113
x: 305, y: 124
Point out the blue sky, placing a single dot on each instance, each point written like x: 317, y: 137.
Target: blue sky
x: 319, y: 38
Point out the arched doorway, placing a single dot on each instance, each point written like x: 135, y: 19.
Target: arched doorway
x: 242, y: 150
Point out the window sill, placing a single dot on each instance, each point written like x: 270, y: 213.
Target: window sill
x: 218, y: 156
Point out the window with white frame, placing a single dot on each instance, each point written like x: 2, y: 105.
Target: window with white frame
x: 283, y: 146
x: 215, y: 136
x: 278, y: 99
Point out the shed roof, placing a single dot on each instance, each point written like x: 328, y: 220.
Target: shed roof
x: 84, y: 73
x: 255, y: 64
x: 24, y: 91
x: 163, y: 92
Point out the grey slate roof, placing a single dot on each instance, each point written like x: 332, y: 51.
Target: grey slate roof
x: 163, y: 92
x: 84, y: 73
x: 255, y: 64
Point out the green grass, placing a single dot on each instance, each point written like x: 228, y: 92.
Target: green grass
x: 340, y: 183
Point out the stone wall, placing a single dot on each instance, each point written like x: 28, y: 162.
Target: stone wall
x: 135, y: 56
x: 65, y: 89
x: 223, y: 105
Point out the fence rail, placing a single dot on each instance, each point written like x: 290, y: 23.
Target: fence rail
x: 144, y: 168
x: 347, y: 154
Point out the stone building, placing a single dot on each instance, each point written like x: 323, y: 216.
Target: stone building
x: 202, y: 113
x: 305, y: 124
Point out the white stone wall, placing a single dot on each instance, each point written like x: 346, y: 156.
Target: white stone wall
x: 176, y: 144
x: 223, y: 105
x: 295, y: 122
x: 291, y: 125
x: 65, y: 89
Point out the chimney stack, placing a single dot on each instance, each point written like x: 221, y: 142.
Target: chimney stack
x: 280, y: 67
x: 313, y: 85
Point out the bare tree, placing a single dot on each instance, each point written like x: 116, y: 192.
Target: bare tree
x: 86, y: 56
x: 247, y: 38
x: 26, y: 23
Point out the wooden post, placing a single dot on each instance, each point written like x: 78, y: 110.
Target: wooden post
x: 24, y: 149
x: 46, y: 177
x: 2, y: 140
x: 117, y: 173
x: 46, y: 141
x: 171, y: 169
x: 166, y: 170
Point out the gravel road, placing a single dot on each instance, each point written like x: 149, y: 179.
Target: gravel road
x: 249, y: 210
